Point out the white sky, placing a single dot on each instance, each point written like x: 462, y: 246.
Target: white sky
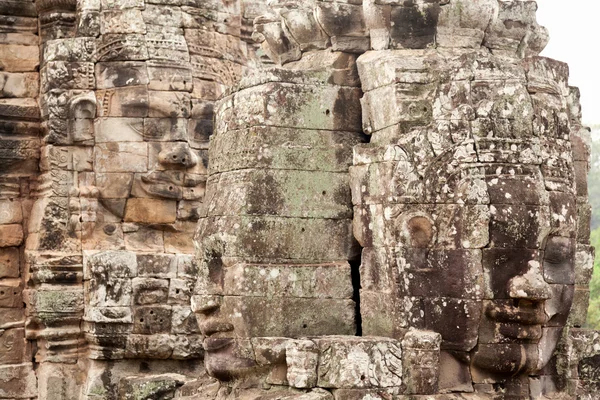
x: 574, y: 27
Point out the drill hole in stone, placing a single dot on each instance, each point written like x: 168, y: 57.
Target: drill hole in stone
x: 304, y: 326
x: 324, y: 192
x: 141, y: 319
x: 151, y: 312
x: 327, y: 112
x: 302, y: 230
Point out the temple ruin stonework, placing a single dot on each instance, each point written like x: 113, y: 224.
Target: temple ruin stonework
x: 300, y: 200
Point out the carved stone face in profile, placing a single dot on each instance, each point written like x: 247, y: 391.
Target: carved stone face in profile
x: 475, y: 237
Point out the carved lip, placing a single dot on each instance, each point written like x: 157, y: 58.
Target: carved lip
x: 523, y: 312
x: 213, y: 326
x: 172, y: 185
x: 215, y: 344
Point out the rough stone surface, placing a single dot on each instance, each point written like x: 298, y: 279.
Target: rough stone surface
x: 309, y: 200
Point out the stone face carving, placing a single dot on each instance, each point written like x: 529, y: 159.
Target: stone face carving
x: 397, y: 210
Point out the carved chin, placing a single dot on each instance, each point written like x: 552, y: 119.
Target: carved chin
x: 507, y: 359
x: 225, y: 366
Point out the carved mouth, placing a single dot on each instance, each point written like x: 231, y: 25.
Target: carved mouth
x: 523, y: 320
x: 215, y: 344
x: 173, y: 185
x: 523, y: 312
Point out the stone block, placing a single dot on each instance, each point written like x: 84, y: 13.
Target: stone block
x: 156, y: 346
x: 150, y: 211
x: 154, y: 386
x: 19, y: 84
x: 119, y: 130
x: 18, y: 381
x: 180, y: 291
x: 351, y: 362
x: 124, y: 21
x: 312, y: 316
x: 169, y: 104
x: 157, y: 265
x: 27, y: 109
x: 12, y: 318
x: 121, y: 157
x: 187, y: 266
x: 295, y: 280
x: 115, y: 264
x: 11, y: 293
x: 119, y: 74
x: 187, y: 347
x: 305, y: 194
x: 114, y: 185
x: 302, y: 359
x: 151, y: 320
x: 169, y: 78
x: 321, y: 240
x: 109, y: 315
x: 150, y: 291
x: 13, y: 346
x: 123, y: 102
x: 9, y: 262
x: 19, y: 58
x: 79, y: 49
x: 165, y: 129
x: 184, y: 321
x: 67, y: 75
x: 108, y: 291
x: 584, y: 264
x: 313, y: 108
x: 421, y: 361
x: 144, y: 239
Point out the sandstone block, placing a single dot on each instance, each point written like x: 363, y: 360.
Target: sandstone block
x: 157, y: 265
x: 18, y: 381
x: 150, y: 211
x: 13, y: 346
x: 269, y: 240
x: 150, y: 291
x: 79, y: 49
x: 188, y: 347
x: 119, y: 130
x: 19, y: 58
x: 144, y: 239
x: 184, y: 321
x: 125, y: 21
x: 312, y: 316
x: 11, y: 235
x: 114, y: 185
x: 180, y: 291
x: 304, y: 194
x: 151, y: 320
x: 10, y: 212
x: 351, y: 362
x: 295, y: 280
x: 19, y: 84
x: 131, y: 101
x: 169, y: 78
x: 169, y: 104
x: 121, y: 157
x: 280, y: 148
x: 118, y: 74
x: 117, y: 264
x: 156, y: 346
x: 302, y: 358
x: 314, y: 108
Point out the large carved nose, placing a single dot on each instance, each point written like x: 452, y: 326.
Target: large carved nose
x: 179, y: 154
x: 530, y: 285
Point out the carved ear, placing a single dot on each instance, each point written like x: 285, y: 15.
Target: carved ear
x: 82, y: 111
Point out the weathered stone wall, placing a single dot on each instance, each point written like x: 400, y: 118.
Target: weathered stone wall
x: 410, y: 171
x: 19, y: 159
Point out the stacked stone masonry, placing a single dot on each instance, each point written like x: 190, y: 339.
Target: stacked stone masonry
x: 308, y: 200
